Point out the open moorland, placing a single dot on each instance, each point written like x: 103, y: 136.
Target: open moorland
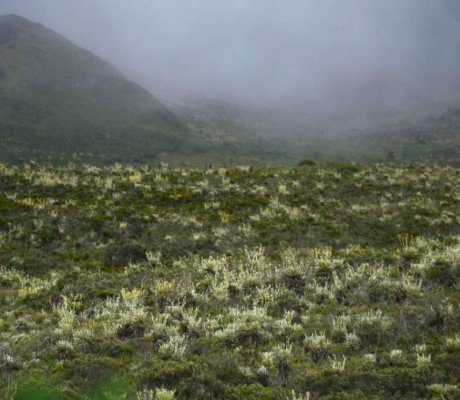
x: 334, y: 281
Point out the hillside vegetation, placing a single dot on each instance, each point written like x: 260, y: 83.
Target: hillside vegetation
x: 429, y: 139
x: 335, y: 281
x: 284, y: 135
x: 59, y: 103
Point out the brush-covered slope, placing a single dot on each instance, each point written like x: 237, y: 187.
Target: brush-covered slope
x: 411, y: 134
x: 232, y: 284
x: 227, y: 128
x: 60, y: 102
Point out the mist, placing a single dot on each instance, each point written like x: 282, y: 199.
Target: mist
x: 328, y: 55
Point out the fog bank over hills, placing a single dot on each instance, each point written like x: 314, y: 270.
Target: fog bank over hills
x: 328, y: 57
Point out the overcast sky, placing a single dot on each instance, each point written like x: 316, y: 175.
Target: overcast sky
x: 326, y: 52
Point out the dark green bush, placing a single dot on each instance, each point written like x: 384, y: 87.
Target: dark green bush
x: 306, y: 162
x: 120, y: 254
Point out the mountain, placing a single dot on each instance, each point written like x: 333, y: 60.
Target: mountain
x: 59, y: 102
x: 282, y: 135
x: 226, y: 127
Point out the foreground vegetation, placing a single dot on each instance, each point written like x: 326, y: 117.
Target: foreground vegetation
x: 318, y: 282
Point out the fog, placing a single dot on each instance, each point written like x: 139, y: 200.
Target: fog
x: 328, y: 55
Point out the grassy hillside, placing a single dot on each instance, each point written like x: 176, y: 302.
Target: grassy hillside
x: 60, y: 102
x: 323, y: 282
x: 240, y: 130
x: 429, y: 139
x: 284, y: 136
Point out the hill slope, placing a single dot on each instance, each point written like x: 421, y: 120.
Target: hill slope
x: 58, y: 100
x: 226, y: 128
x: 427, y: 133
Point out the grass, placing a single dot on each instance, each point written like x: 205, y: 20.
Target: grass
x: 333, y: 281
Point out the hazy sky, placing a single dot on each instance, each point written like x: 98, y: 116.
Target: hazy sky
x: 332, y: 53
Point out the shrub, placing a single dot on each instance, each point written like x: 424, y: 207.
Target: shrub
x: 254, y: 392
x: 306, y: 162
x: 120, y: 254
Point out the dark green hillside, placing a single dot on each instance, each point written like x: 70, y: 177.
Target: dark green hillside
x: 59, y: 101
